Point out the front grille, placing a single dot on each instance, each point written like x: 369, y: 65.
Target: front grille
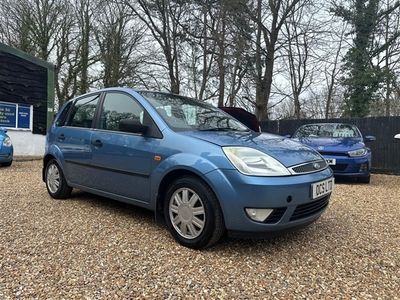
x: 333, y: 153
x: 310, y: 167
x: 275, y: 216
x: 339, y: 167
x: 305, y: 210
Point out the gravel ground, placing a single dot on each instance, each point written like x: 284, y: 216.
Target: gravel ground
x: 90, y: 247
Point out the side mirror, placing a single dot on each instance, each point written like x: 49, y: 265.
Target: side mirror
x: 3, y: 129
x: 369, y: 138
x: 397, y: 136
x: 132, y: 125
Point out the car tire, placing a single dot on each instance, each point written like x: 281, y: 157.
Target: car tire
x: 7, y: 164
x: 55, y: 181
x: 193, y: 214
x: 364, y: 179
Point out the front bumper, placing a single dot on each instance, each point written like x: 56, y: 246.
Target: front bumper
x: 289, y: 196
x: 351, y: 166
x: 6, y: 154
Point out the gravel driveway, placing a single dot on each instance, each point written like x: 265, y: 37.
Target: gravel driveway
x: 90, y: 247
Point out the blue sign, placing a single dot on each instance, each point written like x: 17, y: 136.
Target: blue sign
x: 8, y: 115
x: 24, y: 117
x: 16, y: 116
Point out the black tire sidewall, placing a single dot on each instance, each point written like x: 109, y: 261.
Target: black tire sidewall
x: 62, y: 180
x: 210, y: 206
x: 7, y: 164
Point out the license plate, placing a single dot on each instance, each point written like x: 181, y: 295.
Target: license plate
x: 331, y: 161
x: 322, y: 188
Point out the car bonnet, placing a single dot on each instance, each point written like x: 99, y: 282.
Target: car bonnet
x: 333, y: 144
x: 288, y: 152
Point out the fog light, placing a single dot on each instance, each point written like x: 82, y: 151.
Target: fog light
x: 364, y: 167
x: 258, y: 214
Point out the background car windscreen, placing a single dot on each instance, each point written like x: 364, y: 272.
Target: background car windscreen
x: 327, y: 131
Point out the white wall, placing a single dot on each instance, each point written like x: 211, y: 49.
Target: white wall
x: 27, y: 144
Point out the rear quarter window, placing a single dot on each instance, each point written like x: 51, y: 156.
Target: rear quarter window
x: 83, y: 112
x: 62, y: 114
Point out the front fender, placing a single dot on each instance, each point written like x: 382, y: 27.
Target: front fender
x: 181, y: 161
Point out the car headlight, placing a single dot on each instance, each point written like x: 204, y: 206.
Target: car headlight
x: 358, y: 152
x: 252, y: 162
x: 7, y: 142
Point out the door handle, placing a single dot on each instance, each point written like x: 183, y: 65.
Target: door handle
x: 97, y: 143
x: 61, y: 137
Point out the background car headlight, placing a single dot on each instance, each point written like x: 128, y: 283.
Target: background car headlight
x: 252, y: 162
x: 358, y: 152
x: 7, y: 142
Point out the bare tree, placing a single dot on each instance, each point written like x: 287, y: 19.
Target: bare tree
x: 161, y: 18
x: 32, y: 25
x: 118, y: 36
x: 67, y: 61
x: 15, y: 27
x: 199, y: 27
x: 332, y: 69
x: 84, y: 10
x: 269, y: 18
x: 300, y: 35
x: 389, y: 58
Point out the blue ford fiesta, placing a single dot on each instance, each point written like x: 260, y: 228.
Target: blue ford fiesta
x: 6, y: 148
x: 342, y: 145
x: 195, y: 166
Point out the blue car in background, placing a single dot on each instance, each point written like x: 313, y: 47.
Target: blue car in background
x: 342, y: 145
x: 6, y: 149
x: 195, y: 166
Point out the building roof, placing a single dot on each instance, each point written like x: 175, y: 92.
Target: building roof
x: 26, y: 56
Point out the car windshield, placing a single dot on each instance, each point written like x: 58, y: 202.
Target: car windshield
x: 183, y: 113
x: 327, y: 131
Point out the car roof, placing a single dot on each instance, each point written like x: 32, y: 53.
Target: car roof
x: 328, y: 123
x: 126, y: 90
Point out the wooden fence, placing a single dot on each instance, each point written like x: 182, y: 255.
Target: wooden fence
x: 385, y: 150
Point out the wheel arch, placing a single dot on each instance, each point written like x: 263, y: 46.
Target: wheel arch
x: 54, y: 154
x: 167, y: 180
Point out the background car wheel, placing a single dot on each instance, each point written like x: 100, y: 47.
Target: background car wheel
x: 55, y: 182
x: 364, y: 179
x: 7, y: 164
x: 193, y: 214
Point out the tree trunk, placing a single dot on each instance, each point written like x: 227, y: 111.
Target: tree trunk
x: 221, y: 57
x: 259, y: 82
x: 85, y: 31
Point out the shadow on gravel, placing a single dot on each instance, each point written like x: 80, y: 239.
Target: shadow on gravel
x: 272, y: 244
x: 313, y: 233
x: 110, y: 205
x: 349, y: 180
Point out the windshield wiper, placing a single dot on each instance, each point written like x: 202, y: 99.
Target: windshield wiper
x: 222, y: 129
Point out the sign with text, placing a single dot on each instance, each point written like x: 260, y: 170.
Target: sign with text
x: 24, y: 116
x: 16, y: 116
x: 8, y: 115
